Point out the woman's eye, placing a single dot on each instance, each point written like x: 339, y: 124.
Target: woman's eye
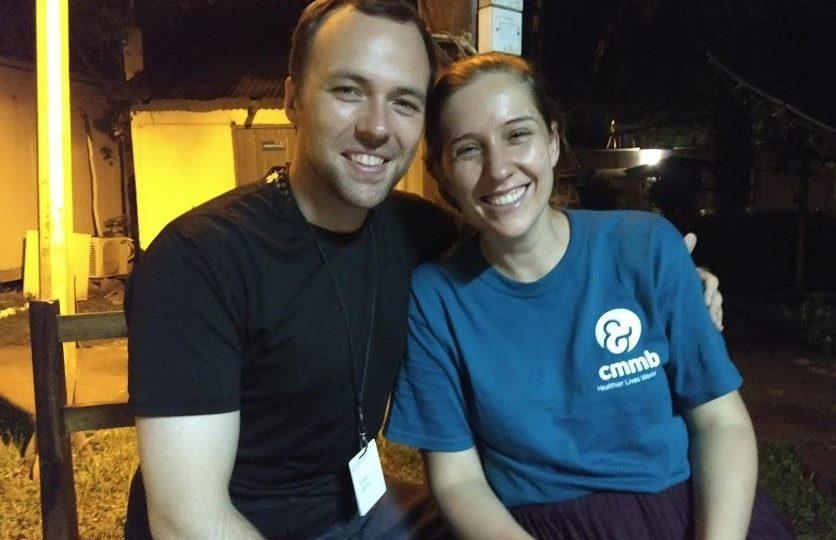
x: 347, y: 92
x: 518, y: 134
x: 464, y: 152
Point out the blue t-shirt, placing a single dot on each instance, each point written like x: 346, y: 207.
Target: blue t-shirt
x: 574, y: 383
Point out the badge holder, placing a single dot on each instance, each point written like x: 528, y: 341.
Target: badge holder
x: 365, y: 468
x: 367, y: 477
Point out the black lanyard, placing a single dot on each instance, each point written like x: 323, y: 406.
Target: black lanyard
x: 358, y: 388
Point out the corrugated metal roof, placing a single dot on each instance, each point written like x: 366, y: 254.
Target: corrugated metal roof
x: 203, y: 86
x: 244, y: 74
x: 232, y: 50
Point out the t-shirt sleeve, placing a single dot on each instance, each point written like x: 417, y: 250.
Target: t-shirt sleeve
x: 700, y: 368
x: 428, y: 408
x: 184, y: 351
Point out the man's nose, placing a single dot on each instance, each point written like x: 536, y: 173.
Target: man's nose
x: 373, y: 126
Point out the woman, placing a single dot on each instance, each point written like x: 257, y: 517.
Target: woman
x: 562, y: 363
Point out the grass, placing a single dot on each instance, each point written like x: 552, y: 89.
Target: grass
x: 105, y: 461
x: 401, y: 462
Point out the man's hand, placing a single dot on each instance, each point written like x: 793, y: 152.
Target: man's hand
x: 711, y: 286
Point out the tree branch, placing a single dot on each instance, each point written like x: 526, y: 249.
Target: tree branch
x: 713, y: 62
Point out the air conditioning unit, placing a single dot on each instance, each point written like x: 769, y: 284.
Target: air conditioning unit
x: 110, y: 256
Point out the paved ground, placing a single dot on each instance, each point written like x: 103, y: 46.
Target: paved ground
x: 791, y: 394
x: 790, y: 390
x: 102, y: 376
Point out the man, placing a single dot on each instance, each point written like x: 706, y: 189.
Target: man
x: 260, y: 319
x: 267, y: 326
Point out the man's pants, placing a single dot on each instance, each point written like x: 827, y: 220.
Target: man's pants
x: 406, y: 511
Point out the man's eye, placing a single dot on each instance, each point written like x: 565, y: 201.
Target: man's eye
x: 406, y: 106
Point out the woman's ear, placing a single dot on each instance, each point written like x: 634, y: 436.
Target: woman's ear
x: 554, y: 143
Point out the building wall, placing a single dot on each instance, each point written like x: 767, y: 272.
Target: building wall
x: 19, y: 159
x: 776, y: 183
x: 183, y: 156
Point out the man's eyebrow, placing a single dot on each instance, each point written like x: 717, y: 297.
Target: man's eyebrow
x: 346, y: 74
x: 409, y: 91
x: 399, y: 91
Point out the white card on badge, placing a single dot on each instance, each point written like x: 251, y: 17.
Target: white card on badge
x: 367, y: 477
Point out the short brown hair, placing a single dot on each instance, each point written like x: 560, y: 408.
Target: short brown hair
x: 315, y: 14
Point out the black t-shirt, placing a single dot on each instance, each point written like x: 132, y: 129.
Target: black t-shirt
x: 233, y: 309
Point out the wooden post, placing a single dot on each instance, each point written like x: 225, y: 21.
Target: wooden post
x: 533, y: 32
x: 58, y: 510
x: 55, y: 190
x: 454, y: 17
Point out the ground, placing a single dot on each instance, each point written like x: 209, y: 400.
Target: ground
x: 790, y: 391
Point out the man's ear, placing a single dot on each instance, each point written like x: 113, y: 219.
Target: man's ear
x: 554, y: 143
x: 290, y: 105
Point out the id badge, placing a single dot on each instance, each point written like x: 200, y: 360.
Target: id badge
x: 367, y: 477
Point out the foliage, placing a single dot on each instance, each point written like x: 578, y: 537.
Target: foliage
x: 794, y: 495
x: 815, y: 319
x: 688, y: 133
x: 676, y: 191
x: 599, y: 193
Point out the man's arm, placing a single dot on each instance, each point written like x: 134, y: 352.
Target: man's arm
x: 186, y: 464
x: 724, y: 460
x: 465, y: 498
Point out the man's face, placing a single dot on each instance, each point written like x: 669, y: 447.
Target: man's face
x: 359, y: 111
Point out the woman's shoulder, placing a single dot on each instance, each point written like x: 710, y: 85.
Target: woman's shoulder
x: 623, y: 222
x: 623, y: 227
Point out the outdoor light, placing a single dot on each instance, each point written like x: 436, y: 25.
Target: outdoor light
x: 650, y: 156
x: 54, y: 149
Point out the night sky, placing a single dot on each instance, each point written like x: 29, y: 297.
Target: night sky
x: 642, y: 62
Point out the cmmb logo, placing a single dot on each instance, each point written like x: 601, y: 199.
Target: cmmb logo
x: 618, y: 330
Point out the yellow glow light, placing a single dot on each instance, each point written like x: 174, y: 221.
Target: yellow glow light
x: 650, y: 156
x: 54, y: 149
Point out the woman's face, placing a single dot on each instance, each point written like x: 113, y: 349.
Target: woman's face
x: 498, y: 155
